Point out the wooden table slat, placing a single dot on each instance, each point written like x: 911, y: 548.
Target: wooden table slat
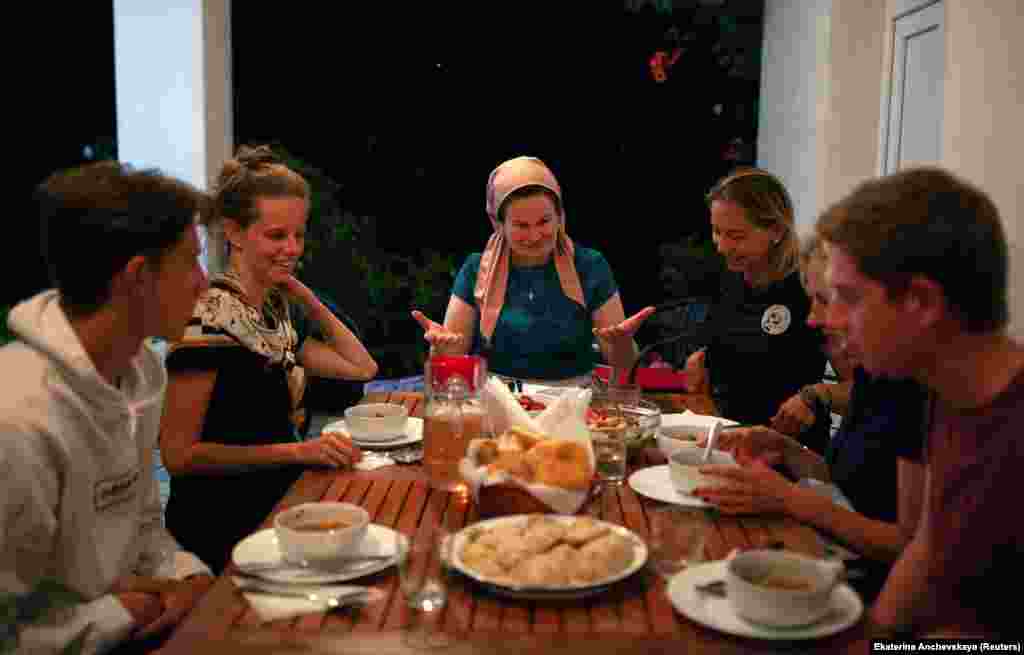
x: 408, y: 521
x: 729, y: 534
x: 635, y: 612
x: 604, y: 616
x: 658, y: 610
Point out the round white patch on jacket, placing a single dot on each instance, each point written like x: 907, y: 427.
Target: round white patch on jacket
x: 776, y: 319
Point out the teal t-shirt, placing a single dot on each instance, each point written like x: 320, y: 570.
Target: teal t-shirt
x: 542, y: 334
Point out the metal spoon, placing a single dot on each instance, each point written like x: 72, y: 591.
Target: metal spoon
x: 408, y: 455
x: 712, y: 435
x: 338, y: 566
x: 332, y: 601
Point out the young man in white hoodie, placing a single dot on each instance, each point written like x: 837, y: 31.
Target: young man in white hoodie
x: 81, y: 397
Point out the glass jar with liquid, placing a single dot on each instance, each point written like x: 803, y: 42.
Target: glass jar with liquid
x: 453, y: 415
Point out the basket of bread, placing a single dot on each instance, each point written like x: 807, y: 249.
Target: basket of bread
x: 535, y: 464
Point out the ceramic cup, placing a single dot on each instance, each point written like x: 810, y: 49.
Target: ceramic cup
x: 314, y: 534
x: 684, y: 465
x: 781, y: 588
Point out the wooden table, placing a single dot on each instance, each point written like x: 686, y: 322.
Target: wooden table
x: 634, y: 615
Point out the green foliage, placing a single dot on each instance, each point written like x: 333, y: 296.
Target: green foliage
x: 102, y: 149
x: 690, y: 266
x: 375, y: 286
x: 660, y: 6
x: 21, y: 609
x: 5, y: 332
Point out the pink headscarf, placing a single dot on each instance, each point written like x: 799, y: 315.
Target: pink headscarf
x: 492, y: 279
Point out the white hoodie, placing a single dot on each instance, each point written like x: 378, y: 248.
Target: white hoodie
x: 79, y: 502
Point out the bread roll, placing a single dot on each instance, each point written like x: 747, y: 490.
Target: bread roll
x: 561, y: 463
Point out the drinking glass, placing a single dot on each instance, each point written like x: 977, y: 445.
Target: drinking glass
x: 610, y: 456
x: 677, y: 538
x: 421, y: 562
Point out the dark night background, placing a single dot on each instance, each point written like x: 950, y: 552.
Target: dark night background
x: 408, y: 108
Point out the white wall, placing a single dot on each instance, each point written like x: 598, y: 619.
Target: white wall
x: 173, y: 86
x: 982, y: 108
x: 794, y: 79
x: 850, y: 132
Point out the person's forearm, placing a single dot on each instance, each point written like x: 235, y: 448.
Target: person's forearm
x: 104, y: 622
x: 342, y: 341
x: 837, y: 395
x: 906, y: 595
x: 803, y: 462
x: 876, y: 540
x: 207, y: 457
x: 841, y: 396
x: 620, y: 352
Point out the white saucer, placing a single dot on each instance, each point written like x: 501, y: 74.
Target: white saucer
x: 413, y: 434
x: 717, y: 613
x: 655, y: 482
x: 262, y: 548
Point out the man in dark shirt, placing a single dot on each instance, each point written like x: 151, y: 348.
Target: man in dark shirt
x: 918, y: 271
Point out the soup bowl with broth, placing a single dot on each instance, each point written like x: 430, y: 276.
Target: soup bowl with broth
x: 315, y: 534
x: 376, y: 421
x: 781, y: 588
x: 684, y: 468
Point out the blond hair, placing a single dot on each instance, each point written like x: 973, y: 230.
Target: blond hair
x: 255, y: 172
x: 766, y: 204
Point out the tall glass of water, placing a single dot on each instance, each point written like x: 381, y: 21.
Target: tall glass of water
x: 421, y: 565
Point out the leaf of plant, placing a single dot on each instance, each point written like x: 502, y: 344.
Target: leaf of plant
x: 77, y: 645
x: 8, y: 624
x: 47, y: 595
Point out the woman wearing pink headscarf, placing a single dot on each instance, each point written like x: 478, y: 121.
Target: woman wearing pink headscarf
x: 533, y: 301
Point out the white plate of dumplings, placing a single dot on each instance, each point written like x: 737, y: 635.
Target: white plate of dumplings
x: 547, y: 556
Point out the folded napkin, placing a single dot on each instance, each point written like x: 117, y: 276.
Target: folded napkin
x: 371, y: 461
x: 503, y: 409
x: 692, y: 419
x: 271, y: 607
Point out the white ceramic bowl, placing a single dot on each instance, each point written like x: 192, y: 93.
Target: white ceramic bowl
x: 758, y: 586
x: 306, y: 535
x: 684, y: 429
x: 684, y: 463
x: 678, y: 437
x: 376, y: 421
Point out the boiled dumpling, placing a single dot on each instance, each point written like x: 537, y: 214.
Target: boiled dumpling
x: 600, y: 559
x: 548, y: 569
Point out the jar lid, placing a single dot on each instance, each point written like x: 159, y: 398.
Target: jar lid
x: 471, y: 369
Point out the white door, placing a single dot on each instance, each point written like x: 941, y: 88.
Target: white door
x: 912, y: 110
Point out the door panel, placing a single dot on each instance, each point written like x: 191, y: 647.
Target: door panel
x: 913, y: 126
